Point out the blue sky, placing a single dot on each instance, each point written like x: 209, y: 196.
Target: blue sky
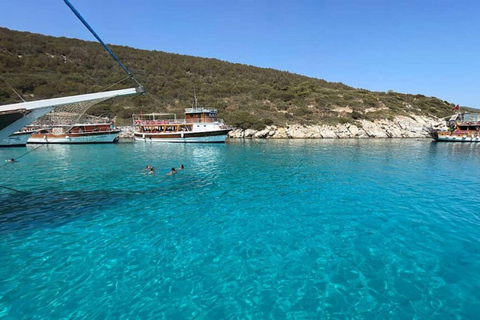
x: 426, y: 47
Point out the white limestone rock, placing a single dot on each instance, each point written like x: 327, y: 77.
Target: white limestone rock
x: 262, y: 134
x: 342, y: 131
x: 280, y: 133
x: 236, y: 134
x: 373, y: 129
x: 249, y: 133
x: 399, y: 127
x: 297, y: 131
x: 327, y: 132
x: 356, y: 132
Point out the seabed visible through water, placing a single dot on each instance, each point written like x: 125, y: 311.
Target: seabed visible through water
x: 296, y: 229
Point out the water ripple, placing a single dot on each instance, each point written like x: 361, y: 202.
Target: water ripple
x: 261, y: 229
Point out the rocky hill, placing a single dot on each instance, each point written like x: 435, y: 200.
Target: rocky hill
x: 269, y: 103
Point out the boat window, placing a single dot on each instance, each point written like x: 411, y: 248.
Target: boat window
x: 470, y: 117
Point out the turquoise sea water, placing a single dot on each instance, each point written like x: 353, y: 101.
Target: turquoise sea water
x: 369, y: 229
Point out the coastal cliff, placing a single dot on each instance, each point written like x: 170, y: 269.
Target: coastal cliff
x: 399, y: 127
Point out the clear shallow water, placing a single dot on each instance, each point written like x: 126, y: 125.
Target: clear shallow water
x: 261, y: 229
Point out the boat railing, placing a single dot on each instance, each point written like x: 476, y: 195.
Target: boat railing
x: 157, y: 122
x: 459, y: 132
x: 207, y: 120
x: 90, y: 130
x: 176, y: 121
x: 469, y: 123
x: 200, y: 110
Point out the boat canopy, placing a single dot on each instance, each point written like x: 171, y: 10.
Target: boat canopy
x: 200, y: 110
x: 470, y: 117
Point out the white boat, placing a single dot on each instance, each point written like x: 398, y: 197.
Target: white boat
x: 201, y: 125
x: 76, y: 134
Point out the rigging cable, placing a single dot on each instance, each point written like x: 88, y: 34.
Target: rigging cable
x: 85, y: 23
x: 7, y: 163
x: 113, y: 85
x: 23, y: 155
x: 8, y: 84
x: 4, y: 187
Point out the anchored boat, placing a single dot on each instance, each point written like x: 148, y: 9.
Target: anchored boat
x: 462, y: 127
x: 201, y: 125
x: 76, y: 134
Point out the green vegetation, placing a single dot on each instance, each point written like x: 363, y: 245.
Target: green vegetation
x: 41, y: 67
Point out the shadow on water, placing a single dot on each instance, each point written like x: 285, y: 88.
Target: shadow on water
x: 33, y: 210
x: 42, y: 209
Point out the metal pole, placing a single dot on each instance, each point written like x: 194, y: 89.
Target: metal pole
x: 85, y: 23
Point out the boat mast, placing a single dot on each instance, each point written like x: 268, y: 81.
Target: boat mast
x: 195, y: 105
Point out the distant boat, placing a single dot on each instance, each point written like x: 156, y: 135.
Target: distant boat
x: 76, y: 134
x: 462, y: 127
x: 200, y: 125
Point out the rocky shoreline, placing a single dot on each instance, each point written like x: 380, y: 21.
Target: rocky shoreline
x: 399, y: 127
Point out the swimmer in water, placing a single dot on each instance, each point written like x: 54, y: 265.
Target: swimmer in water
x: 173, y: 171
x: 181, y: 167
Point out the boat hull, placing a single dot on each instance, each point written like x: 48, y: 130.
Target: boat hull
x: 18, y: 139
x: 85, y: 138
x: 217, y: 136
x: 453, y: 137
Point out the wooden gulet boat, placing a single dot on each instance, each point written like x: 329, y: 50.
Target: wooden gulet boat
x: 76, y: 134
x: 201, y: 125
x: 462, y: 127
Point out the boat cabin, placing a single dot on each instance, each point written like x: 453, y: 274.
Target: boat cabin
x: 200, y: 115
x: 77, y: 128
x: 464, y: 122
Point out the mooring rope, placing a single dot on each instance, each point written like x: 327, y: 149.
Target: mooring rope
x: 23, y: 155
x: 11, y: 162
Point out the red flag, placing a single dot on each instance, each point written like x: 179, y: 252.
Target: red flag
x: 456, y: 107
